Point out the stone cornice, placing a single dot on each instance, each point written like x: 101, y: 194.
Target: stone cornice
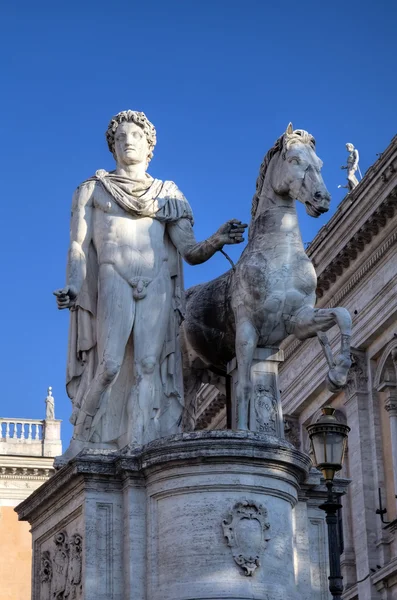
x: 214, y: 408
x: 356, y: 244
x: 25, y: 474
x: 201, y: 446
x: 355, y: 208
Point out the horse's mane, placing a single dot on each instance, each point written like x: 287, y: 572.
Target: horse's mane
x: 262, y: 173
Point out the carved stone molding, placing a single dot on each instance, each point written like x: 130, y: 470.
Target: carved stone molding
x: 391, y: 405
x: 46, y: 575
x: 75, y: 563
x: 292, y: 431
x: 357, y: 380
x: 61, y: 564
x: 25, y: 473
x: 61, y: 568
x: 266, y: 407
x: 356, y: 244
x: 211, y: 411
x: 246, y: 533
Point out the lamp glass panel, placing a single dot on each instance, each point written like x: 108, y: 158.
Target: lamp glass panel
x: 328, y: 447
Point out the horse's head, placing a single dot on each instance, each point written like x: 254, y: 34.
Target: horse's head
x: 298, y: 172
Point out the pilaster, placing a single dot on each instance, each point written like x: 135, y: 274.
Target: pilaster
x: 357, y: 402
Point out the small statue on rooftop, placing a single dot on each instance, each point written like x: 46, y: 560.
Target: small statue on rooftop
x: 49, y: 405
x: 352, y: 167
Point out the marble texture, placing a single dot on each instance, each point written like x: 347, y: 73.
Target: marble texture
x: 124, y: 288
x: 265, y: 414
x: 356, y: 265
x: 206, y: 515
x: 271, y: 291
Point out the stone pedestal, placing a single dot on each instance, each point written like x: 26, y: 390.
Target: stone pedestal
x: 265, y: 413
x: 205, y: 515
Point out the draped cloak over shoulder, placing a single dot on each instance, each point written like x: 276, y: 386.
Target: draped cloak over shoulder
x: 163, y: 201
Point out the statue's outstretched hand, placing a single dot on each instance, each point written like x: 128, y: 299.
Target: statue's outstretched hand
x: 66, y: 297
x: 231, y: 232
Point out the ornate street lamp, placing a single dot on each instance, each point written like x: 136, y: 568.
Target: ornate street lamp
x: 328, y: 438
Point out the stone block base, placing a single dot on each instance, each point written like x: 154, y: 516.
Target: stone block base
x: 205, y: 515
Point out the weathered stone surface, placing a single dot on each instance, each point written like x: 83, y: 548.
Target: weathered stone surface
x: 152, y: 521
x: 124, y: 287
x: 355, y: 256
x: 270, y: 292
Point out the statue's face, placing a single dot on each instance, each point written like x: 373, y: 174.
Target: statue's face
x: 298, y: 176
x: 130, y: 144
x: 349, y: 147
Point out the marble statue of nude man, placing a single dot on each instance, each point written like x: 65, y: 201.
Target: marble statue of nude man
x: 351, y: 167
x: 124, y: 289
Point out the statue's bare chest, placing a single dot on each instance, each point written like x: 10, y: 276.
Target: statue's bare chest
x: 132, y: 244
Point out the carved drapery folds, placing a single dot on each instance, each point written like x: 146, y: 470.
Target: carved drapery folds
x: 246, y: 531
x: 61, y: 568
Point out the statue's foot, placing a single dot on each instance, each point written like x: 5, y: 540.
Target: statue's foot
x: 242, y: 426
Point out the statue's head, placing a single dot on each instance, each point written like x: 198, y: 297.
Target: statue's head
x: 293, y: 170
x: 349, y: 147
x: 299, y: 173
x: 131, y: 137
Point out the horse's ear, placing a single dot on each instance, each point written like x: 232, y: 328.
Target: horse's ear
x: 290, y: 129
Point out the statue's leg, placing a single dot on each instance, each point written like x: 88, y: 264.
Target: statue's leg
x: 151, y: 323
x: 316, y: 321
x: 352, y: 179
x: 246, y: 342
x: 115, y: 316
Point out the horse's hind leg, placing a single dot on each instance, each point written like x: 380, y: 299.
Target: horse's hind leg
x: 316, y: 321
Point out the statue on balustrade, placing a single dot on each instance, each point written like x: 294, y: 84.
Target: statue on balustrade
x: 124, y: 289
x: 351, y: 167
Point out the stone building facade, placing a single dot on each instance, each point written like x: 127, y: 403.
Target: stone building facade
x: 27, y: 451
x: 355, y: 257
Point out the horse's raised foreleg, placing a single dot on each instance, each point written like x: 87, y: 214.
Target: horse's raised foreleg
x: 316, y: 321
x: 246, y: 342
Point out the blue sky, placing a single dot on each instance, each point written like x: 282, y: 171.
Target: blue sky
x: 219, y: 79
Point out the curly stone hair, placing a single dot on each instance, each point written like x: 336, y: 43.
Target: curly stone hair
x: 132, y: 116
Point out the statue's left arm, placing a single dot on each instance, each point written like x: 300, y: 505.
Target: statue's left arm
x: 182, y: 236
x: 356, y: 159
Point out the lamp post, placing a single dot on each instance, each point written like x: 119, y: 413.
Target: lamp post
x: 328, y: 438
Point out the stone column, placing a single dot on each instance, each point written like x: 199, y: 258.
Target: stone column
x: 265, y: 413
x: 363, y: 494
x: 204, y: 516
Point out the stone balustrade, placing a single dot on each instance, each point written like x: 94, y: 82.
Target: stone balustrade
x: 32, y: 437
x: 21, y: 430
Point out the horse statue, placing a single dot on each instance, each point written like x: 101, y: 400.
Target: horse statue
x: 271, y: 292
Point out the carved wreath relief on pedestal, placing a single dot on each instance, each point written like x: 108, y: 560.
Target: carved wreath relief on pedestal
x: 61, y: 570
x: 266, y: 407
x: 246, y: 533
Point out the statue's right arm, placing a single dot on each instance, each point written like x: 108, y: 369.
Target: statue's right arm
x: 80, y: 238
